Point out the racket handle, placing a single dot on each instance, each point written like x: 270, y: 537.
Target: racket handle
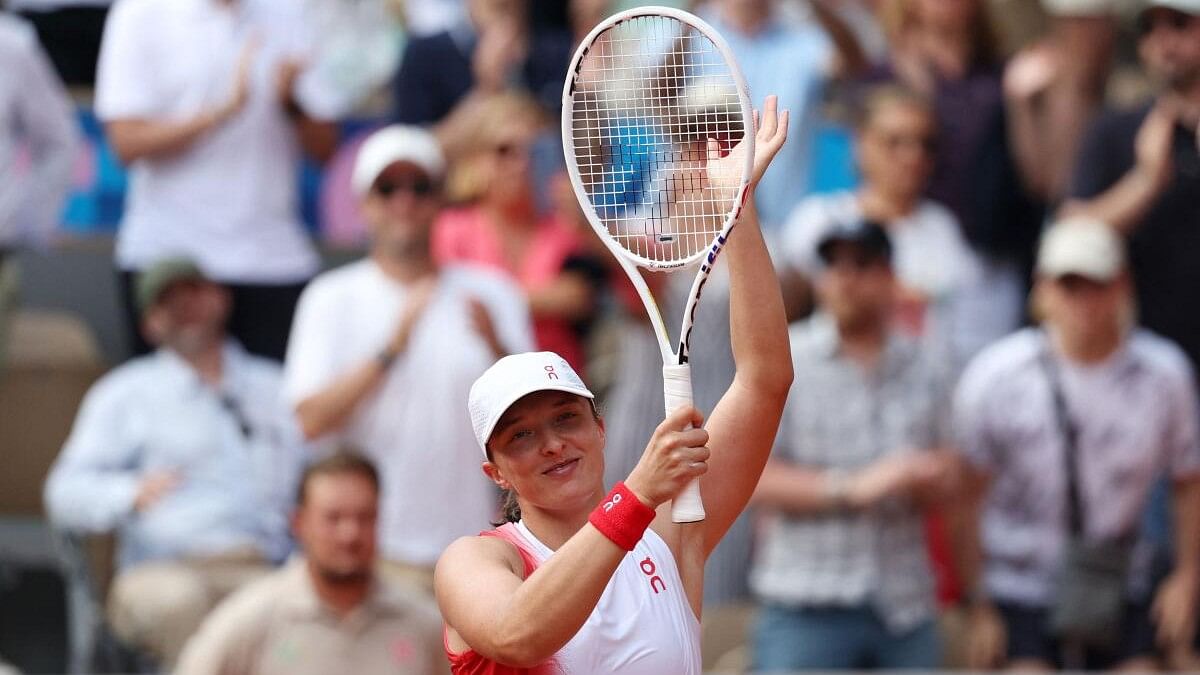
x: 677, y: 392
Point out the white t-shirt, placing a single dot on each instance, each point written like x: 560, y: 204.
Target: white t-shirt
x: 229, y: 200
x: 415, y: 426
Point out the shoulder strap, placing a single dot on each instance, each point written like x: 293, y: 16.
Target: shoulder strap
x: 508, y: 532
x: 1070, y: 436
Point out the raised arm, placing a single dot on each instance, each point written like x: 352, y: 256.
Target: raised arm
x: 849, y: 59
x: 742, y: 426
x: 1125, y: 203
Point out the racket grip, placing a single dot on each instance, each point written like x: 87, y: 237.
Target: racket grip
x: 677, y: 392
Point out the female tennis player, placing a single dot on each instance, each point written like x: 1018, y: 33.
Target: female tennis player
x: 556, y: 590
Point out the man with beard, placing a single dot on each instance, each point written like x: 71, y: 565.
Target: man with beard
x: 190, y: 454
x: 325, y: 612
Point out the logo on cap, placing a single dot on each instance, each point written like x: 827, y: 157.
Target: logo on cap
x: 550, y: 374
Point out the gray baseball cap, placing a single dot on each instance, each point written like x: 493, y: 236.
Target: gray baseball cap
x: 160, y: 276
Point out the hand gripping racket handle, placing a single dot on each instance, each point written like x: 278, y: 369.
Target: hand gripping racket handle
x: 677, y: 392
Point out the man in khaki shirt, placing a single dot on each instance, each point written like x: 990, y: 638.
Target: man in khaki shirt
x: 326, y: 612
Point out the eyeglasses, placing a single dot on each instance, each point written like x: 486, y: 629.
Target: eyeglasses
x: 418, y: 186
x: 1149, y: 21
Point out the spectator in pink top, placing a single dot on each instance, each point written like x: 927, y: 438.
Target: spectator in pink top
x: 500, y: 227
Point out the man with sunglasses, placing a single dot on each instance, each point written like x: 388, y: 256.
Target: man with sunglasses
x: 1067, y: 428
x: 841, y: 566
x: 1139, y: 170
x: 383, y: 352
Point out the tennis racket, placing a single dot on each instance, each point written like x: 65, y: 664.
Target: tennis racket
x: 658, y: 134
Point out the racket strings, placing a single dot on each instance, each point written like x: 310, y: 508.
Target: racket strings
x: 656, y: 124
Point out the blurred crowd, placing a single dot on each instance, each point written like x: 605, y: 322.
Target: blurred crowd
x: 989, y: 458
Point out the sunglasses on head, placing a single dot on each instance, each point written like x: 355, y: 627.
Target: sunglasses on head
x: 1152, y: 19
x: 419, y: 186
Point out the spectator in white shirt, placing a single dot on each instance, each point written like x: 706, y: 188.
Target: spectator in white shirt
x: 384, y: 350
x: 190, y: 455
x: 36, y: 118
x: 208, y: 104
x: 897, y: 135
x: 1125, y: 400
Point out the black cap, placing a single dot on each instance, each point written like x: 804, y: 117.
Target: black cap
x: 864, y: 233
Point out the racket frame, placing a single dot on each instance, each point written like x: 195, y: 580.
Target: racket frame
x: 630, y: 261
x: 688, y: 506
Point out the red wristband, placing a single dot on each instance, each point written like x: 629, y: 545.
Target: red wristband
x: 622, y: 517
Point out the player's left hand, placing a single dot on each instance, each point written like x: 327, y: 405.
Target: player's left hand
x: 771, y: 125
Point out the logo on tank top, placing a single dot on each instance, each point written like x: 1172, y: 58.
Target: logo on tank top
x: 649, y: 569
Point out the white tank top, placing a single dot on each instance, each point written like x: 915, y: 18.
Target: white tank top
x: 643, y: 624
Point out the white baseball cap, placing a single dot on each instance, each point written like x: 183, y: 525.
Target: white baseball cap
x: 1186, y: 6
x: 1081, y: 246
x: 513, y: 377
x: 397, y: 143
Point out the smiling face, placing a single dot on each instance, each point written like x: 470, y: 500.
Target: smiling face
x: 548, y: 447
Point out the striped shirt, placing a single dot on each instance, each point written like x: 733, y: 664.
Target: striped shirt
x: 839, y: 416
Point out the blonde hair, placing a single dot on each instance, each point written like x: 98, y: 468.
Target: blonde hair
x: 468, y: 179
